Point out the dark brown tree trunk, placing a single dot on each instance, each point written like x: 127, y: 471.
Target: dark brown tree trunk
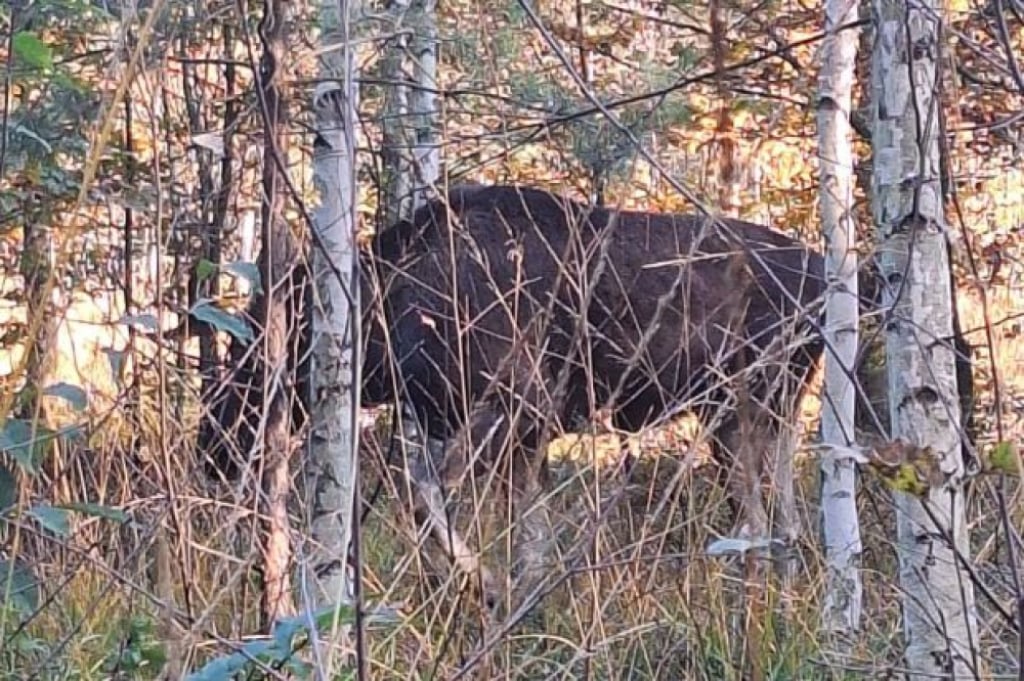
x: 728, y: 180
x: 279, y: 260
x: 37, y: 246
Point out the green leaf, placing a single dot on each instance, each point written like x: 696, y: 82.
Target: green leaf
x: 223, y: 668
x: 26, y: 445
x: 205, y: 269
x: 22, y: 130
x: 72, y: 434
x: 33, y: 51
x: 73, y: 394
x: 220, y: 668
x: 18, y: 586
x: 97, y: 511
x: 1004, y: 458
x: 69, y: 82
x: 907, y: 479
x: 324, y: 617
x: 687, y: 55
x: 299, y: 668
x: 286, y: 629
x: 51, y: 518
x: 143, y: 650
x: 277, y: 650
x: 248, y: 271
x: 8, y: 489
x: 240, y: 268
x: 205, y: 311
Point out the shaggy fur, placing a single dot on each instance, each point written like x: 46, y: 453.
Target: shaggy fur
x: 511, y: 314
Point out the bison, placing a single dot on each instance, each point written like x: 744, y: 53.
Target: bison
x: 506, y: 313
x: 499, y: 315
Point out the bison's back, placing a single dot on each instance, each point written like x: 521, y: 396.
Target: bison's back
x: 687, y: 301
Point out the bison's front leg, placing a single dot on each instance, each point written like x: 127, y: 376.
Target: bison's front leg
x: 426, y: 463
x: 432, y: 517
x: 493, y: 434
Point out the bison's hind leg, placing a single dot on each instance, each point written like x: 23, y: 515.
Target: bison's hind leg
x: 757, y: 442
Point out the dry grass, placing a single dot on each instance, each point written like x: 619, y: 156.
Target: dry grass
x: 640, y: 601
x: 633, y: 593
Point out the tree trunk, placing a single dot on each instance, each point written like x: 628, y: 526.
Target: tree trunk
x: 36, y: 269
x: 331, y: 470
x: 939, y: 611
x: 279, y: 315
x: 411, y: 155
x: 397, y: 170
x: 423, y: 99
x: 728, y: 180
x: 840, y: 523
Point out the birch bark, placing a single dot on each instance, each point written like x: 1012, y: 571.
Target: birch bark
x: 840, y: 523
x: 335, y: 370
x: 939, y: 612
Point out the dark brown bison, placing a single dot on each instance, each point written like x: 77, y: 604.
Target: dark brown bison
x: 510, y: 313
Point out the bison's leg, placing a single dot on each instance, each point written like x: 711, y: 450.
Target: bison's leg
x: 432, y: 517
x: 738, y: 444
x: 757, y: 441
x: 785, y: 519
x: 498, y: 429
x: 789, y: 386
x: 533, y: 533
x: 531, y: 409
x: 423, y: 459
x: 756, y: 452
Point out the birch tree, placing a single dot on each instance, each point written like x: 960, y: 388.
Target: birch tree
x: 332, y: 464
x: 397, y: 176
x: 411, y: 155
x: 938, y: 610
x: 423, y: 102
x: 840, y: 524
x: 410, y: 139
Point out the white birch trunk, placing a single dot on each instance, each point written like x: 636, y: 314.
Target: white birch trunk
x: 840, y: 523
x: 411, y: 152
x: 335, y: 370
x: 396, y: 194
x: 423, y: 101
x: 939, y: 613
